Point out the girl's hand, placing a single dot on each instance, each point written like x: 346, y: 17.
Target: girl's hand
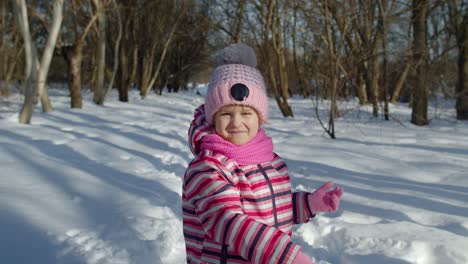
x: 325, y: 200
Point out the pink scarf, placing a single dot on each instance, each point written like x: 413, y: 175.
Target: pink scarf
x: 257, y: 150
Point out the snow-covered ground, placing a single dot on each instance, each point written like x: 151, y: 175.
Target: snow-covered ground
x: 103, y: 184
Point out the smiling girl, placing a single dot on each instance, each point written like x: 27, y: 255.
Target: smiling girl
x: 238, y: 206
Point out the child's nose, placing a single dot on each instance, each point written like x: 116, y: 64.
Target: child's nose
x: 236, y: 120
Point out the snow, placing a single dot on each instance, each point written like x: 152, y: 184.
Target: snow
x: 103, y: 184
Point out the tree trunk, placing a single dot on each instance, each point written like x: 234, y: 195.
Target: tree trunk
x: 93, y: 80
x: 74, y: 72
x: 375, y: 76
x: 420, y: 97
x: 29, y: 75
x: 385, y: 80
x: 276, y: 67
x: 146, y: 69
x: 305, y: 92
x: 116, y: 50
x: 374, y: 65
x: 332, y: 61
x: 400, y: 82
x: 47, y: 56
x: 239, y: 21
x: 124, y: 80
x: 361, y: 89
x: 36, y: 73
x: 9, y: 69
x: 367, y: 80
x: 3, y: 55
x: 8, y: 76
x: 134, y: 69
x: 383, y: 30
x: 74, y: 57
x: 459, y: 19
x: 98, y: 97
x: 462, y: 87
x: 144, y: 90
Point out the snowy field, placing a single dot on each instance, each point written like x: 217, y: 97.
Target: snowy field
x: 103, y: 184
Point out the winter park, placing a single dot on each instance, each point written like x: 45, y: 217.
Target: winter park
x: 104, y: 143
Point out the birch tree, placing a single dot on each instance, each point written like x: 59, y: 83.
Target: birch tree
x: 36, y: 71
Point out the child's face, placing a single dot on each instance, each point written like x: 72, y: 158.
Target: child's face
x: 236, y: 124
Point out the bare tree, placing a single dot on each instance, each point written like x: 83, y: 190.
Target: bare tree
x: 363, y: 41
x: 383, y: 24
x: 29, y: 75
x: 82, y: 21
x: 333, y: 71
x: 270, y: 15
x: 144, y: 91
x: 188, y: 52
x: 98, y: 97
x: 239, y: 21
x: 368, y: 49
x: 402, y: 77
x: 420, y: 94
x: 458, y: 27
x: 129, y: 12
x: 228, y: 18
x: 10, y: 46
x: 3, y: 58
x: 305, y: 88
x: 374, y: 42
x: 47, y: 55
x: 36, y: 72
x: 116, y: 50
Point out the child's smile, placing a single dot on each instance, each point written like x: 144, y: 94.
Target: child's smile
x: 236, y: 124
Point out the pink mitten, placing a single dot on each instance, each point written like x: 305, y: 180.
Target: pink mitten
x: 324, y: 200
x: 302, y: 258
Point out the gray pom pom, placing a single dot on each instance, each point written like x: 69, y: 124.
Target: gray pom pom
x: 237, y: 53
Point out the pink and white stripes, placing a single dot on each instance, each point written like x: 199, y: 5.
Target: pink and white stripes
x: 238, y: 214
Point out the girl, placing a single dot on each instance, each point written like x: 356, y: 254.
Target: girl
x: 237, y: 201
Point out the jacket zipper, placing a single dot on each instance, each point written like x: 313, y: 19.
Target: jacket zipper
x: 272, y: 193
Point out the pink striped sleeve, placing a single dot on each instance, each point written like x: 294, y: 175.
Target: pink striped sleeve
x: 301, y: 209
x: 218, y: 207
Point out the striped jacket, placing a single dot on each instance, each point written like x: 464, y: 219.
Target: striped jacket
x: 238, y: 214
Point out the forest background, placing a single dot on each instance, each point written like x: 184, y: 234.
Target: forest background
x: 379, y: 51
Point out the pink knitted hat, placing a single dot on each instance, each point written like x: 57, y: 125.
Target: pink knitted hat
x: 236, y: 81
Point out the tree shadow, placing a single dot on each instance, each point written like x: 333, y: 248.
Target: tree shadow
x: 100, y: 209
x: 380, y: 182
x: 438, y: 150
x: 100, y: 124
x: 22, y: 242
x: 139, y: 187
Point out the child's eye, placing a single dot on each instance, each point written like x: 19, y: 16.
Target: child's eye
x: 246, y: 113
x: 225, y: 114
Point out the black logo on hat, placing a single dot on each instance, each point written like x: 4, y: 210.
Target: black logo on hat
x: 239, y: 92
